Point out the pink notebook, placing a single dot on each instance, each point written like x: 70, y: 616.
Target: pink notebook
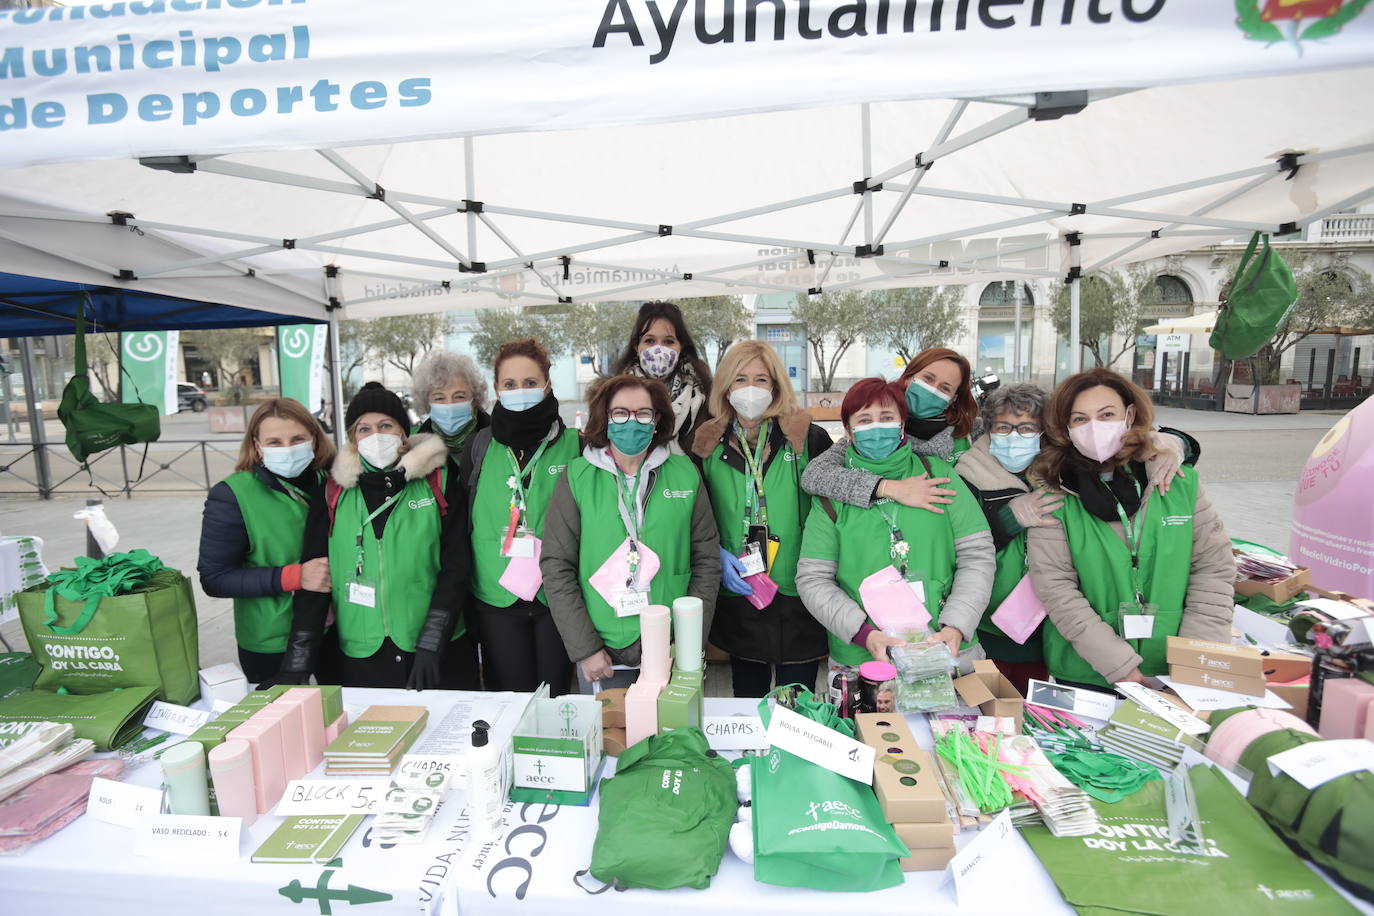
x: 764, y: 590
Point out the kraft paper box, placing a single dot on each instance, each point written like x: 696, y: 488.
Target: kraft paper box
x: 1295, y: 695
x: 927, y: 859
x: 1280, y: 592
x: 1218, y: 657
x: 612, y: 707
x: 557, y: 749
x: 1282, y: 667
x: 992, y: 693
x: 1218, y: 680
x: 926, y: 836
x: 878, y: 729
x: 679, y: 704
x: 904, y: 776
x: 613, y: 741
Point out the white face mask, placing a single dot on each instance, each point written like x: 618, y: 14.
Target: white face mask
x: 380, y: 449
x: 750, y: 402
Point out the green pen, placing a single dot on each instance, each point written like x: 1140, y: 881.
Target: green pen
x: 150, y: 742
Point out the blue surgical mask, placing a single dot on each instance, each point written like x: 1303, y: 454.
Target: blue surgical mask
x: 877, y: 440
x: 288, y: 460
x: 518, y: 399
x: 925, y: 402
x: 631, y: 437
x: 1014, y: 451
x: 449, y: 418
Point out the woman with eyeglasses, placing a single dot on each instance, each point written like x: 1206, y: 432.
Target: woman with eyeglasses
x: 457, y: 397
x: 629, y: 525
x: 891, y: 558
x: 1129, y: 563
x: 510, y: 474
x: 661, y: 347
x: 751, y: 454
x: 392, y: 519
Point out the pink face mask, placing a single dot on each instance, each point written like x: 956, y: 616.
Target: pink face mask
x: 1099, y: 440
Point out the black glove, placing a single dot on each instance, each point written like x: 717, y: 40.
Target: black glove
x: 298, y: 663
x: 434, y: 636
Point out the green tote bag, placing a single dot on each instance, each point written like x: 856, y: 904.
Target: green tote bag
x: 124, y: 621
x: 1263, y: 291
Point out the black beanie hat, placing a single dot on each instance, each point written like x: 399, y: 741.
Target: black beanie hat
x: 373, y: 398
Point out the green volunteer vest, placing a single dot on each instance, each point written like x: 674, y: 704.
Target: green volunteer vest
x: 961, y: 445
x: 403, y: 568
x: 667, y: 532
x: 491, y: 511
x: 788, y: 505
x: 275, y: 522
x: 1103, y: 562
x: 865, y: 541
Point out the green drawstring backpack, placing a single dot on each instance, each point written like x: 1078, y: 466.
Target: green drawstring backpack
x: 92, y: 425
x: 1262, y: 294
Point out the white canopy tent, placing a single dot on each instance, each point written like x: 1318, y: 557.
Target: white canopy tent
x: 556, y: 162
x: 1192, y: 324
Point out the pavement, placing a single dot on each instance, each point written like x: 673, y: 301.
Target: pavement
x: 1249, y: 467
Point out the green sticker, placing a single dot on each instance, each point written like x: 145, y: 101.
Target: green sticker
x: 907, y: 766
x: 891, y: 736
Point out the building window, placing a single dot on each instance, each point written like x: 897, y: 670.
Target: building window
x: 1003, y: 292
x: 1173, y: 291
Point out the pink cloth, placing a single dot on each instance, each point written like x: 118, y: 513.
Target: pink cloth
x: 522, y: 577
x: 764, y: 590
x: 1020, y: 612
x: 612, y: 575
x: 48, y: 804
x: 1230, y: 739
x: 891, y: 604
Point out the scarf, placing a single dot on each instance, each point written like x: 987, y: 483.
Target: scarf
x: 684, y: 391
x: 522, y: 430
x: 1100, y: 497
x: 459, y: 440
x: 931, y: 437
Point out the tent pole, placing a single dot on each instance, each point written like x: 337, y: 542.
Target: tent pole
x: 866, y: 129
x: 470, y: 187
x: 1075, y: 265
x: 37, y: 434
x: 1016, y: 354
x: 336, y: 377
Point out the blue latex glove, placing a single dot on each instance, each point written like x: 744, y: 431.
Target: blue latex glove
x: 731, y: 571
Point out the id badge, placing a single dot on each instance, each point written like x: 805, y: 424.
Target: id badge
x: 630, y: 602
x: 362, y: 592
x: 522, y: 546
x: 752, y: 558
x: 1136, y: 621
x: 918, y: 588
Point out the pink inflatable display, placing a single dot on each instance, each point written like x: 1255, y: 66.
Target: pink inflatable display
x: 1333, y: 513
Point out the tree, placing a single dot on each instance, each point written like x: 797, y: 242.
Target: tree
x: 834, y: 323
x: 911, y: 320
x: 1327, y: 297
x: 351, y: 352
x: 1110, y: 303
x: 496, y: 326
x: 102, y: 361
x: 720, y: 320
x: 227, y: 349
x: 402, y: 340
x: 599, y: 330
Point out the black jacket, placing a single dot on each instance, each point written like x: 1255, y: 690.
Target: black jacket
x: 224, y: 542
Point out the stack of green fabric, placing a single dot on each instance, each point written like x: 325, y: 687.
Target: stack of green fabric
x: 1106, y: 777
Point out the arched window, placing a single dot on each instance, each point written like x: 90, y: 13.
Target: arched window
x: 1173, y: 291
x: 1003, y: 292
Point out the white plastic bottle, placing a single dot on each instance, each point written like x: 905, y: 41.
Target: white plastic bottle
x: 487, y: 783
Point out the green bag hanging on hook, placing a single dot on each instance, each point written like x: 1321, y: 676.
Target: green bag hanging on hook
x: 1262, y: 294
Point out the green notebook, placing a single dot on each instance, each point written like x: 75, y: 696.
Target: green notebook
x: 378, y: 733
x: 308, y: 838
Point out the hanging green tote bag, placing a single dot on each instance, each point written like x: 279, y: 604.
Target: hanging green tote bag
x: 92, y: 425
x: 124, y: 621
x: 1263, y: 292
x: 814, y: 827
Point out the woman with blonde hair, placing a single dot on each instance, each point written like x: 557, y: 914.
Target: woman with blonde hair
x: 752, y: 453
x: 1130, y: 563
x: 392, y: 520
x: 453, y: 392
x: 253, y: 525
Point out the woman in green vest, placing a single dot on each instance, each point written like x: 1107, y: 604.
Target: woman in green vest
x: 253, y: 526
x: 510, y: 473
x: 896, y: 555
x: 941, y: 414
x: 752, y: 453
x: 1128, y: 565
x: 392, y: 520
x: 630, y: 506
x: 456, y: 395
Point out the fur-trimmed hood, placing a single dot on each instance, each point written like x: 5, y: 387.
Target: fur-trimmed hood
x: 794, y: 426
x: 425, y: 453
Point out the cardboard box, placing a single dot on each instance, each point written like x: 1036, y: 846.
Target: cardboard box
x: 992, y: 693
x: 223, y: 682
x: 904, y: 776
x: 927, y: 859
x: 926, y: 836
x: 1295, y: 695
x: 680, y: 703
x: 557, y: 749
x: 880, y: 729
x: 1279, y: 592
x: 612, y: 707
x: 613, y: 741
x: 1282, y: 667
x: 1216, y: 657
x: 1218, y: 680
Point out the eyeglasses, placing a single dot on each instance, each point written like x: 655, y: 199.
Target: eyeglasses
x: 624, y: 415
x: 1024, y: 429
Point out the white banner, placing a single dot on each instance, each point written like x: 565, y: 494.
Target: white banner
x: 172, y: 77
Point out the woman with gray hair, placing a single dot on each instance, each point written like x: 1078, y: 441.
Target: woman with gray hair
x: 455, y: 396
x: 995, y: 468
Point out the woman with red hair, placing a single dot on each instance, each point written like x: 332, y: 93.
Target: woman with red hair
x: 891, y: 555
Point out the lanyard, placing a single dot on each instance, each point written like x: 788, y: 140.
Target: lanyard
x: 899, y: 548
x: 633, y: 523
x: 391, y: 500
x: 295, y: 493
x: 753, y: 478
x: 519, y: 480
x: 1133, y: 530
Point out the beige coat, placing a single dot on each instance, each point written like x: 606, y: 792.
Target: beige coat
x: 1207, y: 607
